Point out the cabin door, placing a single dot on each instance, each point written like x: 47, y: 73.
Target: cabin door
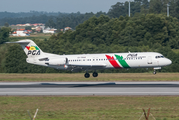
x: 149, y: 60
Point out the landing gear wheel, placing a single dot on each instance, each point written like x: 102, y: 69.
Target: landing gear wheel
x: 87, y: 75
x: 154, y: 72
x: 95, y: 74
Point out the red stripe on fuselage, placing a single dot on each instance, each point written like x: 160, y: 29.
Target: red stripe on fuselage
x: 113, y: 62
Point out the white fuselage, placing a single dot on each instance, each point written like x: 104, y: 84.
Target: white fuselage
x: 94, y: 62
x: 104, y: 61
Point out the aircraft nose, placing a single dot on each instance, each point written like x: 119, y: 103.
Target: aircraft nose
x: 165, y: 62
x: 168, y: 62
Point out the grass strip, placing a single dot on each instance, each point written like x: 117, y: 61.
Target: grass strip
x: 79, y: 77
x: 88, y: 107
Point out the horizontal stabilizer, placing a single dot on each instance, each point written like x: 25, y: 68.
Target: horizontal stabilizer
x: 30, y: 49
x: 20, y: 42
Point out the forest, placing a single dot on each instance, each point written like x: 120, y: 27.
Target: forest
x: 151, y: 32
x: 61, y: 20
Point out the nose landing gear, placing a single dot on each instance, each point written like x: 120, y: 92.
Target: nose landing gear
x: 156, y: 68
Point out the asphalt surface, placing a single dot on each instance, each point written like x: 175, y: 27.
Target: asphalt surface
x: 89, y: 88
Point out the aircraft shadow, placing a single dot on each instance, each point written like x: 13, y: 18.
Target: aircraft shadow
x: 110, y: 84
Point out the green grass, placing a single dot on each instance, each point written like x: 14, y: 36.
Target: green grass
x: 106, y: 77
x: 88, y: 107
x: 38, y: 36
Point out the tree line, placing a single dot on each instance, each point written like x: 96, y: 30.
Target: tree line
x: 143, y: 33
x: 148, y: 29
x: 144, y: 7
x: 61, y: 20
x: 6, y: 14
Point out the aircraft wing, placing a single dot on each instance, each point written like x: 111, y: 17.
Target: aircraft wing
x: 76, y: 68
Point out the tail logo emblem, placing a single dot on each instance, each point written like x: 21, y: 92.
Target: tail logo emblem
x: 33, y: 50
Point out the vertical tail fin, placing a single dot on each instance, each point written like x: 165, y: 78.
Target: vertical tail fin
x: 30, y: 48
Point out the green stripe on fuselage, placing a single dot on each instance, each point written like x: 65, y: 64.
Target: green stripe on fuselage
x: 122, y: 61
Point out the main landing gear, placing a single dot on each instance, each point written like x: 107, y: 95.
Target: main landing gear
x: 95, y: 74
x: 87, y: 75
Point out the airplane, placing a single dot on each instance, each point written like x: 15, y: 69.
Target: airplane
x: 92, y: 62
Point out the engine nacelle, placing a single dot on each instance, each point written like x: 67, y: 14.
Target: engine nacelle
x: 59, y: 61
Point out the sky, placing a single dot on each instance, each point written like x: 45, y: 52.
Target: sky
x: 67, y: 6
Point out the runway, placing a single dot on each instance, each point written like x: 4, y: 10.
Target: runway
x: 89, y: 88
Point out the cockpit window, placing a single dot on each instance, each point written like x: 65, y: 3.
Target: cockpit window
x: 159, y: 57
